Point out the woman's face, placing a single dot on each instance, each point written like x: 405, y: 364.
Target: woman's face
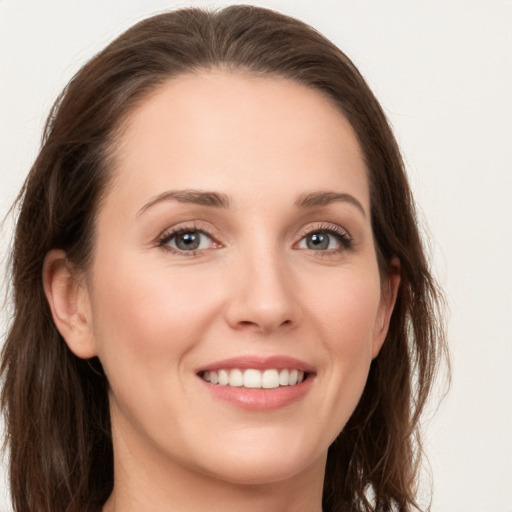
x: 235, y: 244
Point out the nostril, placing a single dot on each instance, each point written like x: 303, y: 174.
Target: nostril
x: 263, y: 325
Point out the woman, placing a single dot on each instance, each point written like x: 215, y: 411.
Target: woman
x: 221, y: 298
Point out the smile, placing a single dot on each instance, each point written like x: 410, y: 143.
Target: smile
x: 258, y: 383
x: 254, y: 379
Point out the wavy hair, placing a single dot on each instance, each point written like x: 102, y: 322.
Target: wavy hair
x: 56, y: 405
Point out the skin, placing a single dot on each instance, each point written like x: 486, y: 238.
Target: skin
x: 154, y: 314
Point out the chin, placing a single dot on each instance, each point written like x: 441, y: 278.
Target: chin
x: 250, y: 472
x: 260, y: 463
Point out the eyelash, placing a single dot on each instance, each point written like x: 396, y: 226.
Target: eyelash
x: 340, y: 234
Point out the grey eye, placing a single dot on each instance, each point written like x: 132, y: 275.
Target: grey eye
x: 318, y: 241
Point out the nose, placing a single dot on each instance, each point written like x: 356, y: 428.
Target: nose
x: 264, y: 294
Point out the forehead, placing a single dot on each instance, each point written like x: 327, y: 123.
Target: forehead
x: 240, y: 133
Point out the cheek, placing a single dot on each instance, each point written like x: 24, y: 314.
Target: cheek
x: 147, y: 319
x: 147, y: 323
x: 346, y: 312
x: 345, y: 316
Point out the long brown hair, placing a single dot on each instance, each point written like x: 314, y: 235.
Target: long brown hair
x: 56, y: 405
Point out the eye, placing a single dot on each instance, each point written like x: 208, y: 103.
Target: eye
x: 325, y: 239
x: 187, y: 240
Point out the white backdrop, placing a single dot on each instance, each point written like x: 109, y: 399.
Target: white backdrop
x: 443, y: 72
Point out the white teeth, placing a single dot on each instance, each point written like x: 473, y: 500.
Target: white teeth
x: 270, y: 379
x: 236, y: 378
x: 254, y: 379
x: 223, y: 378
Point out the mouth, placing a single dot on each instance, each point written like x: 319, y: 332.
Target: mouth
x: 258, y: 383
x: 252, y: 378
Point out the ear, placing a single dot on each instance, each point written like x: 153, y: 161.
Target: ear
x: 390, y: 285
x: 69, y: 303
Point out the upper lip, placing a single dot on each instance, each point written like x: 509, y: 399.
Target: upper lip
x: 258, y: 363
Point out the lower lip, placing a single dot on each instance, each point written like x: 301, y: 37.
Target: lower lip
x: 260, y: 399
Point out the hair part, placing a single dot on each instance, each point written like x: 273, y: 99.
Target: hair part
x: 56, y: 405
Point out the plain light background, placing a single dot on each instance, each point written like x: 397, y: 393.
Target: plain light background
x: 443, y: 73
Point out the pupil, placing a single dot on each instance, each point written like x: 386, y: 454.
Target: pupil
x: 188, y: 241
x: 318, y: 241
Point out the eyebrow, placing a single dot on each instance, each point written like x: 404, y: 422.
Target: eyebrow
x: 313, y: 199
x: 204, y: 198
x: 219, y: 200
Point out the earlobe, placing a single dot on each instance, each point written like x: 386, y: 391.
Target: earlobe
x: 69, y: 303
x: 388, y: 299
